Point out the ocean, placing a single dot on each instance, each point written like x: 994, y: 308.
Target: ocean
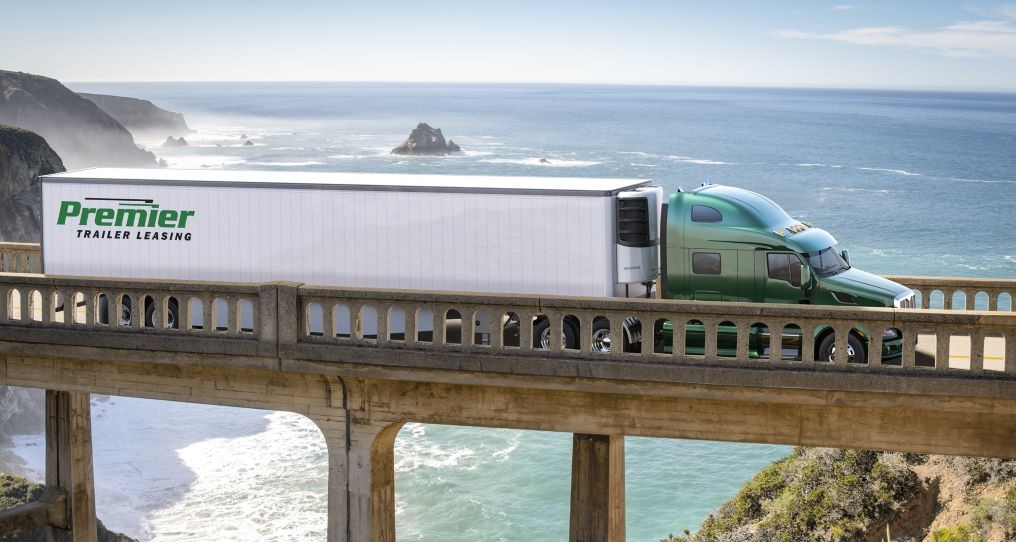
x: 911, y: 182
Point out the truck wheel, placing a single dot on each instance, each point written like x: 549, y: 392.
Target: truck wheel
x: 601, y: 336
x: 171, y: 320
x: 541, y: 335
x: 856, y: 352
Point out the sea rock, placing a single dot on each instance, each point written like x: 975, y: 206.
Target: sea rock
x: 143, y: 118
x: 170, y: 142
x: 23, y: 157
x: 22, y: 411
x: 82, y: 134
x: 248, y: 143
x: 426, y: 141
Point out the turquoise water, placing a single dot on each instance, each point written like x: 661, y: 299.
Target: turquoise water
x: 910, y: 182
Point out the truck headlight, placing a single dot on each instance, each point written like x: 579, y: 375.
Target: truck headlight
x: 890, y: 334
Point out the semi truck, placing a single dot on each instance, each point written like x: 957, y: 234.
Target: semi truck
x: 523, y: 235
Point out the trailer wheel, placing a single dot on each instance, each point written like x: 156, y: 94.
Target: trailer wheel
x: 602, y: 337
x: 541, y: 335
x: 856, y: 353
x: 172, y: 318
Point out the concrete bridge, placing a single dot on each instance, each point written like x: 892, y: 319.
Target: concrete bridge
x: 286, y: 346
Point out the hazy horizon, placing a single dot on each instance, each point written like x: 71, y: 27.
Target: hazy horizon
x: 864, y: 44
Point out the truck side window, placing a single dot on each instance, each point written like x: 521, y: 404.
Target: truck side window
x: 705, y: 263
x: 704, y: 213
x: 785, y: 267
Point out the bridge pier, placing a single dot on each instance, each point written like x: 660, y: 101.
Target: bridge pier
x: 69, y: 463
x: 597, y: 489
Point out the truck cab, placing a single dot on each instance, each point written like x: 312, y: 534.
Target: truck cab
x: 723, y: 243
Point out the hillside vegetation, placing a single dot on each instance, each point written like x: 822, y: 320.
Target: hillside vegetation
x: 857, y: 495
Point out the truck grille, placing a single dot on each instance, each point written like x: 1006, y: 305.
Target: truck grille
x: 633, y: 222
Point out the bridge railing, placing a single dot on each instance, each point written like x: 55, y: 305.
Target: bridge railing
x: 265, y: 316
x: 961, y: 293
x: 746, y: 334
x: 20, y: 258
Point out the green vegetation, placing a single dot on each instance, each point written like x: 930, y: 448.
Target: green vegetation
x: 15, y: 491
x: 814, y: 494
x: 959, y: 533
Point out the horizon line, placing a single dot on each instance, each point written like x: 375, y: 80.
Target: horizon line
x: 980, y: 90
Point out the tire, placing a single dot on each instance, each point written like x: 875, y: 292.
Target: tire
x: 602, y: 338
x: 541, y: 335
x: 856, y: 352
x: 172, y: 322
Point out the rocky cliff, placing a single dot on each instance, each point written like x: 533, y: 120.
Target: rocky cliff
x: 143, y: 118
x: 864, y: 496
x: 16, y: 491
x: 23, y: 157
x: 76, y: 128
x: 426, y: 141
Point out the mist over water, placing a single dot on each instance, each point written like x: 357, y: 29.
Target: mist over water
x: 910, y: 182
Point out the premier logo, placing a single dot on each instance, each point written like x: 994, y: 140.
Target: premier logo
x: 128, y: 213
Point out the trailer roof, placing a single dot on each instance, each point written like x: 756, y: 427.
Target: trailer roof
x: 408, y: 182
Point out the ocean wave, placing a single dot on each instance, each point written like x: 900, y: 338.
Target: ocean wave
x: 888, y: 170
x: 854, y: 189
x: 700, y: 161
x: 197, y: 161
x: 550, y: 162
x: 808, y: 164
x: 644, y: 165
x: 287, y: 164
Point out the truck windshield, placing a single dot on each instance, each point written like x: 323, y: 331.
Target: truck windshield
x: 827, y: 262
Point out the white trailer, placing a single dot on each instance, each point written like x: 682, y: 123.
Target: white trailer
x: 526, y: 235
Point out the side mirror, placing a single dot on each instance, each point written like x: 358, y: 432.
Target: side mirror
x: 845, y: 255
x: 805, y: 277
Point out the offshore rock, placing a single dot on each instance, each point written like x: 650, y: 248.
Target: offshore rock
x: 76, y: 128
x: 23, y: 157
x: 170, y: 142
x: 143, y: 118
x: 426, y: 141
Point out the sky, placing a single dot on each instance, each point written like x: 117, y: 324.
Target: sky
x: 850, y: 44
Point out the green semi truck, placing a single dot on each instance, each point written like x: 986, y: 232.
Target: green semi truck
x: 721, y: 243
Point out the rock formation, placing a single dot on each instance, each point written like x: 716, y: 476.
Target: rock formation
x: 76, y: 128
x: 143, y: 118
x: 16, y: 491
x: 426, y: 141
x: 170, y: 142
x: 857, y: 495
x: 23, y: 157
x: 248, y: 143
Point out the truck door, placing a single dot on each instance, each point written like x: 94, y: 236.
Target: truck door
x: 713, y: 275
x: 783, y: 278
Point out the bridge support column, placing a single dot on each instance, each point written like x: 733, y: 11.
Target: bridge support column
x: 597, y: 489
x: 371, y: 473
x: 69, y: 462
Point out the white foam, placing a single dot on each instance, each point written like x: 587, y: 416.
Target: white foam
x: 287, y: 164
x: 700, y: 161
x: 550, y: 162
x: 276, y: 480
x: 808, y: 164
x: 888, y: 170
x: 855, y: 189
x: 197, y: 161
x: 644, y: 165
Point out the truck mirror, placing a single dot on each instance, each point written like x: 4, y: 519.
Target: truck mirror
x: 846, y: 256
x: 805, y: 277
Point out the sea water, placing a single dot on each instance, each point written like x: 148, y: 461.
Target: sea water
x: 910, y: 182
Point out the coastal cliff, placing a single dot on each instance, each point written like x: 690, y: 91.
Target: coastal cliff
x: 82, y: 134
x: 23, y: 157
x: 864, y: 496
x: 141, y: 117
x: 16, y: 491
